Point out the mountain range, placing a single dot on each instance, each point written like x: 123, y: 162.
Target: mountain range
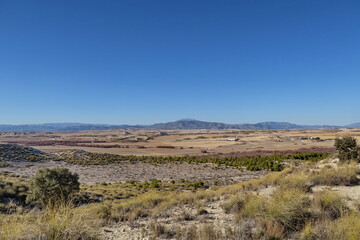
x: 180, y: 124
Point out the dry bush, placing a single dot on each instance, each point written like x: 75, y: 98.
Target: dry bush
x: 159, y: 230
x: 206, y: 232
x: 345, y: 228
x: 329, y: 205
x: 155, y: 203
x: 234, y: 204
x: 272, y: 230
x: 209, y: 232
x: 298, y: 181
x: 344, y: 175
x: 189, y: 233
x: 61, y: 223
x: 185, y: 216
x: 307, y: 232
x: 288, y: 210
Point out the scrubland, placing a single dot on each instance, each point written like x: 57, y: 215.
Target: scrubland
x: 303, y: 195
x: 281, y: 205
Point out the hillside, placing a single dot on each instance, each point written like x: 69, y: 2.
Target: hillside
x: 13, y: 152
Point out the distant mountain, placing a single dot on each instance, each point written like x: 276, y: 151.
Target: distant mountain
x: 192, y: 124
x: 353, y: 125
x: 195, y: 124
x: 271, y: 125
x: 180, y: 124
x: 55, y: 127
x: 322, y: 127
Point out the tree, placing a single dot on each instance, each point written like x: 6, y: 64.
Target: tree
x: 348, y: 149
x: 53, y: 186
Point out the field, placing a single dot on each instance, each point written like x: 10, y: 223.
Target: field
x: 201, y: 143
x: 138, y: 184
x: 178, y: 143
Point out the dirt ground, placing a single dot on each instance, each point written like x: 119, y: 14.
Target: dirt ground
x: 140, y: 172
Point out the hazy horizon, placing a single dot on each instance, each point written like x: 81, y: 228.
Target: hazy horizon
x: 145, y: 62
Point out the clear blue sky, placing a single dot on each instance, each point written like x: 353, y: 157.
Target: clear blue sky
x: 142, y: 62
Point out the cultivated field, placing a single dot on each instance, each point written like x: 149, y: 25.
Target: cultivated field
x: 178, y: 143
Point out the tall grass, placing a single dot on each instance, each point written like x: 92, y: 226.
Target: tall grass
x: 343, y: 175
x: 61, y: 223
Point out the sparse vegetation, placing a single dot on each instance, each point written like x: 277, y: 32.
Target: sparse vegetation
x: 13, y: 152
x: 301, y: 199
x: 291, y: 211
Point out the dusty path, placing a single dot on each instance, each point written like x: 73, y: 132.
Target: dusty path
x: 139, y: 172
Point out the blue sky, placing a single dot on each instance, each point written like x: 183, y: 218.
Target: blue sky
x: 141, y: 62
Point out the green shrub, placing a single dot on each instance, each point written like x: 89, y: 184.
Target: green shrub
x: 155, y: 183
x: 255, y: 163
x: 348, y: 149
x: 53, y: 186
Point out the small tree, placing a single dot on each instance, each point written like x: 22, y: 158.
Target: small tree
x: 53, y: 186
x: 348, y: 149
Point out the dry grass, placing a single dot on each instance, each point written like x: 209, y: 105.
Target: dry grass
x: 62, y: 223
x: 344, y: 228
x: 345, y: 175
x: 290, y: 211
x: 329, y: 205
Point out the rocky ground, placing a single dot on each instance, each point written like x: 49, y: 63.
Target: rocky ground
x: 139, y: 172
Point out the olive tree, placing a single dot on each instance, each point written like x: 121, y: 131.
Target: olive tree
x: 348, y: 149
x: 53, y: 186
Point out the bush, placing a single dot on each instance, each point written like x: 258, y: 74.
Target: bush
x: 286, y: 209
x: 345, y: 228
x: 345, y: 175
x: 332, y: 205
x: 15, y: 191
x: 348, y: 149
x: 53, y: 186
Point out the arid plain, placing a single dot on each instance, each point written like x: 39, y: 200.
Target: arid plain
x: 201, y: 143
x: 179, y: 142
x: 185, y: 184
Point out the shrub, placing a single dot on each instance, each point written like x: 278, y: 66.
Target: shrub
x: 14, y: 191
x: 155, y: 183
x: 53, y: 186
x: 234, y: 204
x: 289, y: 209
x: 346, y: 228
x: 62, y: 223
x: 286, y: 209
x: 344, y: 175
x: 348, y: 149
x: 331, y: 204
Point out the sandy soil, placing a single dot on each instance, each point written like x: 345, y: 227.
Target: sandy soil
x: 215, y: 216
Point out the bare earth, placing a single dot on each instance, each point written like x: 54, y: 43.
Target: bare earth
x: 140, y: 172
